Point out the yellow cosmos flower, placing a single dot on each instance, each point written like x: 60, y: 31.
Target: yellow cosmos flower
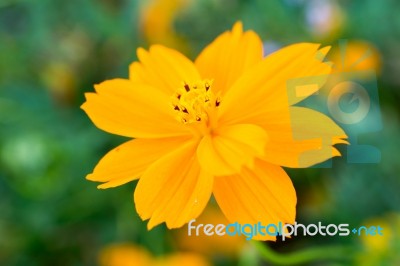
x: 223, y: 126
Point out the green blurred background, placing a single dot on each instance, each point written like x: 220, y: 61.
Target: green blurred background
x: 51, y: 52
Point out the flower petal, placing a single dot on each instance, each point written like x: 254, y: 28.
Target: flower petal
x: 301, y: 137
x: 230, y: 148
x: 130, y: 109
x: 163, y: 68
x: 174, y: 189
x: 264, y: 87
x: 129, y: 160
x: 264, y: 194
x: 228, y: 56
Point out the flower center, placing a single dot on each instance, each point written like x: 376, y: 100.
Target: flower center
x: 194, y: 102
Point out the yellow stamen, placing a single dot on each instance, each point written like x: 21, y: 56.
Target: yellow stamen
x: 194, y: 102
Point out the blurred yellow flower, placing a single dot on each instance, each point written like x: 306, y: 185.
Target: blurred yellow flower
x: 179, y: 259
x: 125, y: 254
x: 381, y: 249
x: 156, y: 22
x: 355, y: 56
x: 352, y: 62
x: 223, y: 125
x: 377, y: 243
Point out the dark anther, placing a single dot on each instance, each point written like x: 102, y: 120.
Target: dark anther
x: 217, y: 102
x: 207, y: 87
x: 178, y: 96
x: 187, y: 88
x: 176, y: 108
x: 185, y: 110
x: 198, y: 118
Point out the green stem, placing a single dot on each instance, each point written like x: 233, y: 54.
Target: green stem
x: 303, y: 256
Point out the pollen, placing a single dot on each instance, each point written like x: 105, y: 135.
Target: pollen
x: 193, y: 101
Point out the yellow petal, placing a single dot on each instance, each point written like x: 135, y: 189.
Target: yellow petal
x: 130, y: 109
x: 230, y: 148
x: 265, y: 86
x: 301, y: 137
x: 228, y: 56
x: 129, y: 160
x: 162, y: 68
x: 264, y: 194
x: 174, y: 189
x: 210, y: 159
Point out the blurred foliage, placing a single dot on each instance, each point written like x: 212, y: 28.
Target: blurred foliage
x: 54, y: 51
